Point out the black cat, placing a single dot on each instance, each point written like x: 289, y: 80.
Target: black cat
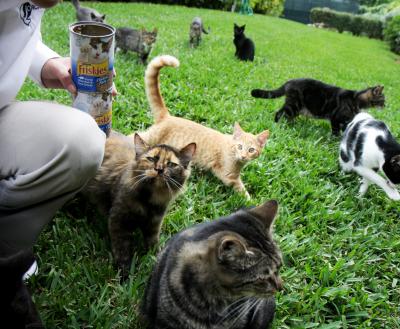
x: 319, y: 100
x: 245, y: 48
x: 17, y: 310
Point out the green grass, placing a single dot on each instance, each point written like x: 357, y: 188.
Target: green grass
x: 342, y: 252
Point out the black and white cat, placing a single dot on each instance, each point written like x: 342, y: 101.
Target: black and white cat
x: 368, y: 147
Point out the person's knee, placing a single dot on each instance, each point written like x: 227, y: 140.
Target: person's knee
x: 85, y: 150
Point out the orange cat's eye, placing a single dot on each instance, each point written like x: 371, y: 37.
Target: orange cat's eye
x: 240, y: 146
x: 251, y: 149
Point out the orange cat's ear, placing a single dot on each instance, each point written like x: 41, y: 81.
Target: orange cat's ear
x: 262, y: 137
x: 140, y: 145
x: 237, y: 130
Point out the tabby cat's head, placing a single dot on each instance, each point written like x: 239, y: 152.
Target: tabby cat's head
x: 246, y: 146
x: 97, y: 18
x: 163, y: 164
x: 148, y: 39
x: 243, y: 259
x: 371, y: 97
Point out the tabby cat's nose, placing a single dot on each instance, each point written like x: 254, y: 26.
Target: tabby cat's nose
x: 159, y: 170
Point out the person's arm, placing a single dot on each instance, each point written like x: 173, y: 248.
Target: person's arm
x: 42, y: 55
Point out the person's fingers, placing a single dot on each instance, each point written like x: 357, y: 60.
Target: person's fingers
x: 66, y: 80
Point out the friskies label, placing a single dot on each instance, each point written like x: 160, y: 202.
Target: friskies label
x: 95, y: 70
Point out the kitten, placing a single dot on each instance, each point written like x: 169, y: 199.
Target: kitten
x: 245, y: 48
x: 17, y: 309
x: 139, y: 41
x: 196, y: 28
x: 94, y: 51
x: 223, y: 154
x: 219, y: 274
x: 87, y: 14
x: 319, y: 100
x: 134, y: 187
x: 367, y: 148
x: 100, y: 105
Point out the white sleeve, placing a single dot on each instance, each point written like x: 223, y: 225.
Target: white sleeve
x: 41, y: 56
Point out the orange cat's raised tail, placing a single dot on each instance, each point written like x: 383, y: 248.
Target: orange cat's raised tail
x: 152, y: 81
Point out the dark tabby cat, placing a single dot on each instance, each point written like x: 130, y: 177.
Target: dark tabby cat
x: 368, y: 147
x: 319, y: 100
x: 245, y: 48
x: 196, y: 29
x: 215, y: 275
x: 17, y: 310
x: 139, y: 41
x: 87, y: 14
x: 134, y: 187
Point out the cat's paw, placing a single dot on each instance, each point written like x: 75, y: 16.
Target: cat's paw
x: 394, y: 195
x: 363, y: 188
x: 247, y: 195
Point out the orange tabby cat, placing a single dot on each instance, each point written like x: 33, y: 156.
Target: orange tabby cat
x: 223, y: 154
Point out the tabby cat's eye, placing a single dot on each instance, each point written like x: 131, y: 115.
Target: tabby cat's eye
x: 171, y: 164
x: 151, y: 159
x: 240, y: 146
x: 251, y: 149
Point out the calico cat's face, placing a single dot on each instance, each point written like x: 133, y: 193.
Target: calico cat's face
x: 97, y: 18
x: 372, y: 97
x: 246, y: 146
x: 163, y: 164
x: 149, y: 38
x: 238, y: 30
x: 247, y: 258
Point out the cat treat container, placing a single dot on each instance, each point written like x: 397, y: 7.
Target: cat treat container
x: 92, y: 65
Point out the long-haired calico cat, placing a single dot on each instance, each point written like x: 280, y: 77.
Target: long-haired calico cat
x: 139, y: 41
x: 223, y: 154
x: 319, y: 100
x: 87, y: 14
x: 245, y: 48
x: 134, y: 186
x: 367, y: 148
x: 220, y: 274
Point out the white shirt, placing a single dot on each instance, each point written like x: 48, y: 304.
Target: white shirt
x: 22, y: 52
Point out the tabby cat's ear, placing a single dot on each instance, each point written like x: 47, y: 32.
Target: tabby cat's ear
x: 237, y: 131
x: 103, y: 17
x: 262, y: 138
x: 140, y: 145
x: 377, y: 90
x: 93, y: 16
x: 187, y: 153
x: 155, y: 30
x: 230, y: 248
x: 266, y: 212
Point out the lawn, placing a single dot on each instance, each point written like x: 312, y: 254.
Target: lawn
x: 341, y: 252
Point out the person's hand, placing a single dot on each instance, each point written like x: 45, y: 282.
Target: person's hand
x: 56, y: 73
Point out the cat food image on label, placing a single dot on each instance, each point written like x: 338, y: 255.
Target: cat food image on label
x: 92, y: 56
x: 98, y: 105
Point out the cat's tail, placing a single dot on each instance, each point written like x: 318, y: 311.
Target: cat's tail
x: 260, y: 93
x: 152, y: 82
x: 76, y: 4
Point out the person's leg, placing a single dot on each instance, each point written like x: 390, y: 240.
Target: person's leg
x: 47, y: 154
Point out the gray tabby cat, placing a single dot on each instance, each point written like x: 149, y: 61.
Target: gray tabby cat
x: 216, y: 275
x: 139, y: 41
x: 196, y: 28
x: 87, y: 14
